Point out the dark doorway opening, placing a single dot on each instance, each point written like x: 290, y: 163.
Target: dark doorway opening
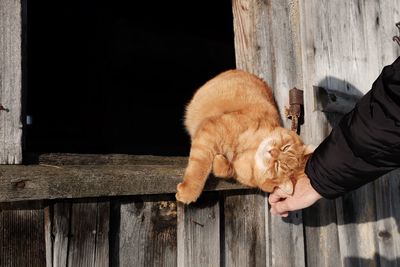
x: 114, y: 76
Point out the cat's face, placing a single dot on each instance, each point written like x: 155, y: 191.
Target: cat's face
x: 278, y: 156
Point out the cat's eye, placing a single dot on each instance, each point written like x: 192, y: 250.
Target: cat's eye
x: 285, y: 148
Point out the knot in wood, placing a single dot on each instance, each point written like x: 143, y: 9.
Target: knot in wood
x: 2, y: 108
x: 20, y: 184
x: 385, y: 235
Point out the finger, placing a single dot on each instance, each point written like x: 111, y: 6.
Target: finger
x: 277, y: 196
x: 280, y: 208
x: 274, y: 212
x: 273, y: 198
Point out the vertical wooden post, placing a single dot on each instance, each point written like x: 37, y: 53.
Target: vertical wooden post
x: 22, y: 241
x: 198, y: 232
x: 60, y: 229
x: 10, y: 81
x: 145, y: 234
x: 244, y: 225
x: 267, y: 44
x: 88, y: 244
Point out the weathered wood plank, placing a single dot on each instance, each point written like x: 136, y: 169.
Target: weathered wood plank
x: 48, y: 236
x: 287, y: 241
x: 244, y: 229
x: 61, y: 233
x: 198, y: 232
x: 83, y: 242
x: 356, y: 217
x: 322, y: 242
x: 10, y: 82
x: 59, y: 159
x: 102, y: 257
x: 22, y: 241
x: 77, y: 181
x: 387, y: 196
x: 83, y: 234
x: 252, y: 40
x: 267, y: 43
x: 146, y: 234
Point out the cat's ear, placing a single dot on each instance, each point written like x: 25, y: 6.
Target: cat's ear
x: 287, y: 187
x: 308, y: 149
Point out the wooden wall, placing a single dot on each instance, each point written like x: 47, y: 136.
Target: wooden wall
x: 340, y: 46
x: 222, y: 229
x: 11, y: 81
x: 134, y: 231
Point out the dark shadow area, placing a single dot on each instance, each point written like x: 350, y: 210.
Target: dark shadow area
x: 114, y: 77
x: 243, y: 192
x: 378, y: 260
x: 213, y: 182
x: 22, y: 205
x: 335, y: 97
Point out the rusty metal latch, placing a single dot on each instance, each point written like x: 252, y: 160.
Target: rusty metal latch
x: 397, y: 38
x: 294, y: 111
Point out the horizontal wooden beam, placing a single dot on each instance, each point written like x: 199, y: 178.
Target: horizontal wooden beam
x: 77, y: 176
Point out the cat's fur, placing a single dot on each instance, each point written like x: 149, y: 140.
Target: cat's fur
x: 235, y: 130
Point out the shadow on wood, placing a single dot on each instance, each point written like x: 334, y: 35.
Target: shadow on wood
x: 377, y: 260
x: 335, y: 97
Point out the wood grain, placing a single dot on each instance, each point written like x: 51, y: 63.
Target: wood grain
x: 10, y: 82
x: 146, y: 234
x: 82, y: 242
x: 387, y: 197
x: 60, y: 159
x: 267, y: 43
x: 48, y: 236
x: 321, y: 234
x: 102, y: 257
x: 22, y: 241
x: 244, y: 229
x: 198, y: 232
x: 61, y: 232
x: 356, y: 217
x: 150, y: 175
x: 89, y: 220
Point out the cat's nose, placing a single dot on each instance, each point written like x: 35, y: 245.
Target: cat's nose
x: 274, y: 152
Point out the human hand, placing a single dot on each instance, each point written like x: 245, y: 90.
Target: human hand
x: 304, y: 195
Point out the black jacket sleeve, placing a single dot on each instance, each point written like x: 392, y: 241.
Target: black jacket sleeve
x: 365, y: 144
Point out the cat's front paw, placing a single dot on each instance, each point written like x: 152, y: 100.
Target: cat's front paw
x: 186, y: 194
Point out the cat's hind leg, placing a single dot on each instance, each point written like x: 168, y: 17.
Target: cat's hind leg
x: 222, y: 168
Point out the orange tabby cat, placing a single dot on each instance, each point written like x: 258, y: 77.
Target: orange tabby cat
x: 235, y: 130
